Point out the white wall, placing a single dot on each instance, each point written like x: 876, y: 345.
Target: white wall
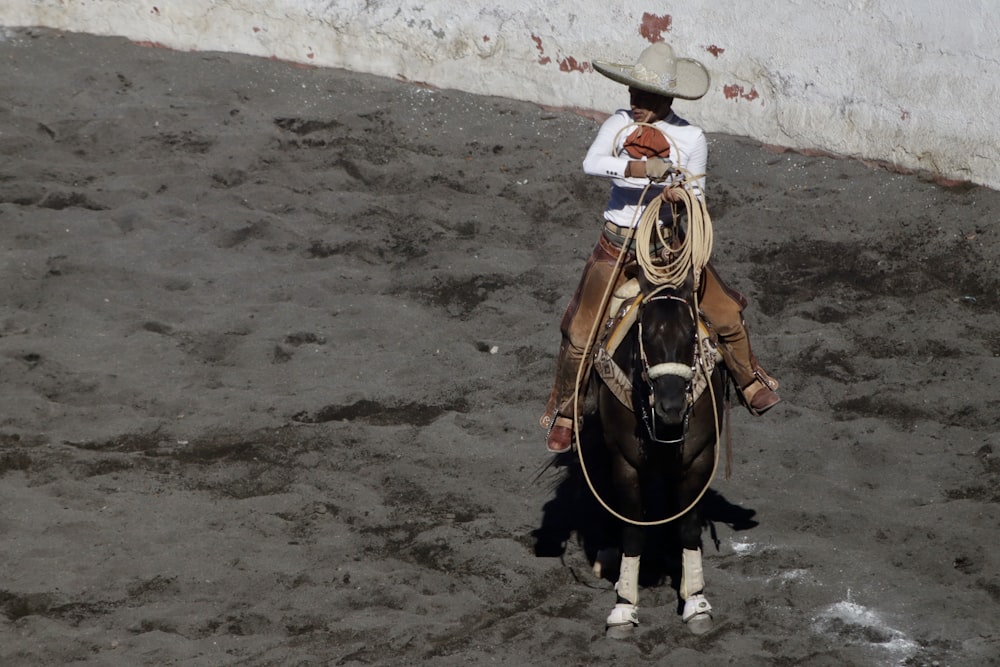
x: 911, y: 83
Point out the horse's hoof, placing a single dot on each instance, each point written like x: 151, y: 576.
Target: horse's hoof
x: 620, y: 631
x: 697, y: 614
x: 699, y: 624
x: 622, y: 621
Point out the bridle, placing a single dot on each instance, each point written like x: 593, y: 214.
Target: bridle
x: 650, y: 373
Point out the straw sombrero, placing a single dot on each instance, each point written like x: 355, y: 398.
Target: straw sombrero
x: 659, y: 71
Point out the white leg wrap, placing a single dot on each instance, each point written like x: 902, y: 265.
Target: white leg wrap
x: 623, y: 614
x: 628, y: 579
x: 694, y: 606
x: 692, y: 575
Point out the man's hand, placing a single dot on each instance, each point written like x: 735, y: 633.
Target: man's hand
x: 672, y: 194
x: 658, y: 169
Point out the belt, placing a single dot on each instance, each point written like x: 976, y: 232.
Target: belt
x: 617, y: 235
x: 623, y: 232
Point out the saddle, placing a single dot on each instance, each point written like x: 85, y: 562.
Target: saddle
x: 621, y: 317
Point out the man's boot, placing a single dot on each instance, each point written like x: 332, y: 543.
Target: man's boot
x: 558, y: 417
x: 757, y: 388
x: 559, y: 438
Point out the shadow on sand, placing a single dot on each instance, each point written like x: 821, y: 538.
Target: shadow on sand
x: 574, y: 511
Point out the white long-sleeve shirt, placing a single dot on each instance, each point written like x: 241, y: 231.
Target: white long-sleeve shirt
x: 607, y: 158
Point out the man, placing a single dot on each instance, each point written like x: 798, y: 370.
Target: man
x: 631, y: 160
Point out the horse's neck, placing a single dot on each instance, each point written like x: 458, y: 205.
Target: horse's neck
x: 620, y: 324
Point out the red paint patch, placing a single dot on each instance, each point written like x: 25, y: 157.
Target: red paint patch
x: 953, y: 182
x: 292, y: 63
x: 542, y: 58
x: 570, y: 64
x: 419, y: 84
x: 715, y: 50
x: 735, y: 91
x: 653, y: 26
x: 904, y: 115
x: 310, y: 55
x: 256, y: 29
x: 486, y: 38
x: 566, y: 64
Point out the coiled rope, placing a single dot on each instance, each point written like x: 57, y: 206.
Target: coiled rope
x: 690, y: 255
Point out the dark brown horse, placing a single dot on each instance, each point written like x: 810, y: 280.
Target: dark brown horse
x: 665, y: 436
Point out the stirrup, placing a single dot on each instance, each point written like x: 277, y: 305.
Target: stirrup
x: 559, y: 438
x: 765, y: 379
x: 759, y: 397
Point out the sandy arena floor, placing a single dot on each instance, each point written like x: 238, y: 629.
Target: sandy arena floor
x: 274, y: 342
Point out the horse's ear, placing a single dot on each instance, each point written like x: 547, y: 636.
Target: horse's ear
x: 635, y: 272
x: 689, y: 282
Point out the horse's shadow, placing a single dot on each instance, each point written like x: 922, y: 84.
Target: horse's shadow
x: 573, y: 511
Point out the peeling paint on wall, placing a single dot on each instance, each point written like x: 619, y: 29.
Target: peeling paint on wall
x: 570, y: 64
x: 735, y: 91
x: 542, y: 58
x: 653, y: 26
x: 566, y: 64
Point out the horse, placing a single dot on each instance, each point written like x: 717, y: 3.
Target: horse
x: 665, y: 437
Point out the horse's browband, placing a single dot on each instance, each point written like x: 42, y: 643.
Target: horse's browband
x: 670, y: 368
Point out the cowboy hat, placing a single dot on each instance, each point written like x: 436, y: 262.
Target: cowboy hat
x: 659, y: 71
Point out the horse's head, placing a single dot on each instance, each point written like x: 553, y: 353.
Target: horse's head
x: 666, y: 360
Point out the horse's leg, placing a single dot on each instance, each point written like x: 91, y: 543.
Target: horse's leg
x: 607, y: 557
x: 624, y: 616
x: 697, y: 612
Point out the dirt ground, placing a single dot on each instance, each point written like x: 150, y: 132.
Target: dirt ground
x: 275, y: 340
